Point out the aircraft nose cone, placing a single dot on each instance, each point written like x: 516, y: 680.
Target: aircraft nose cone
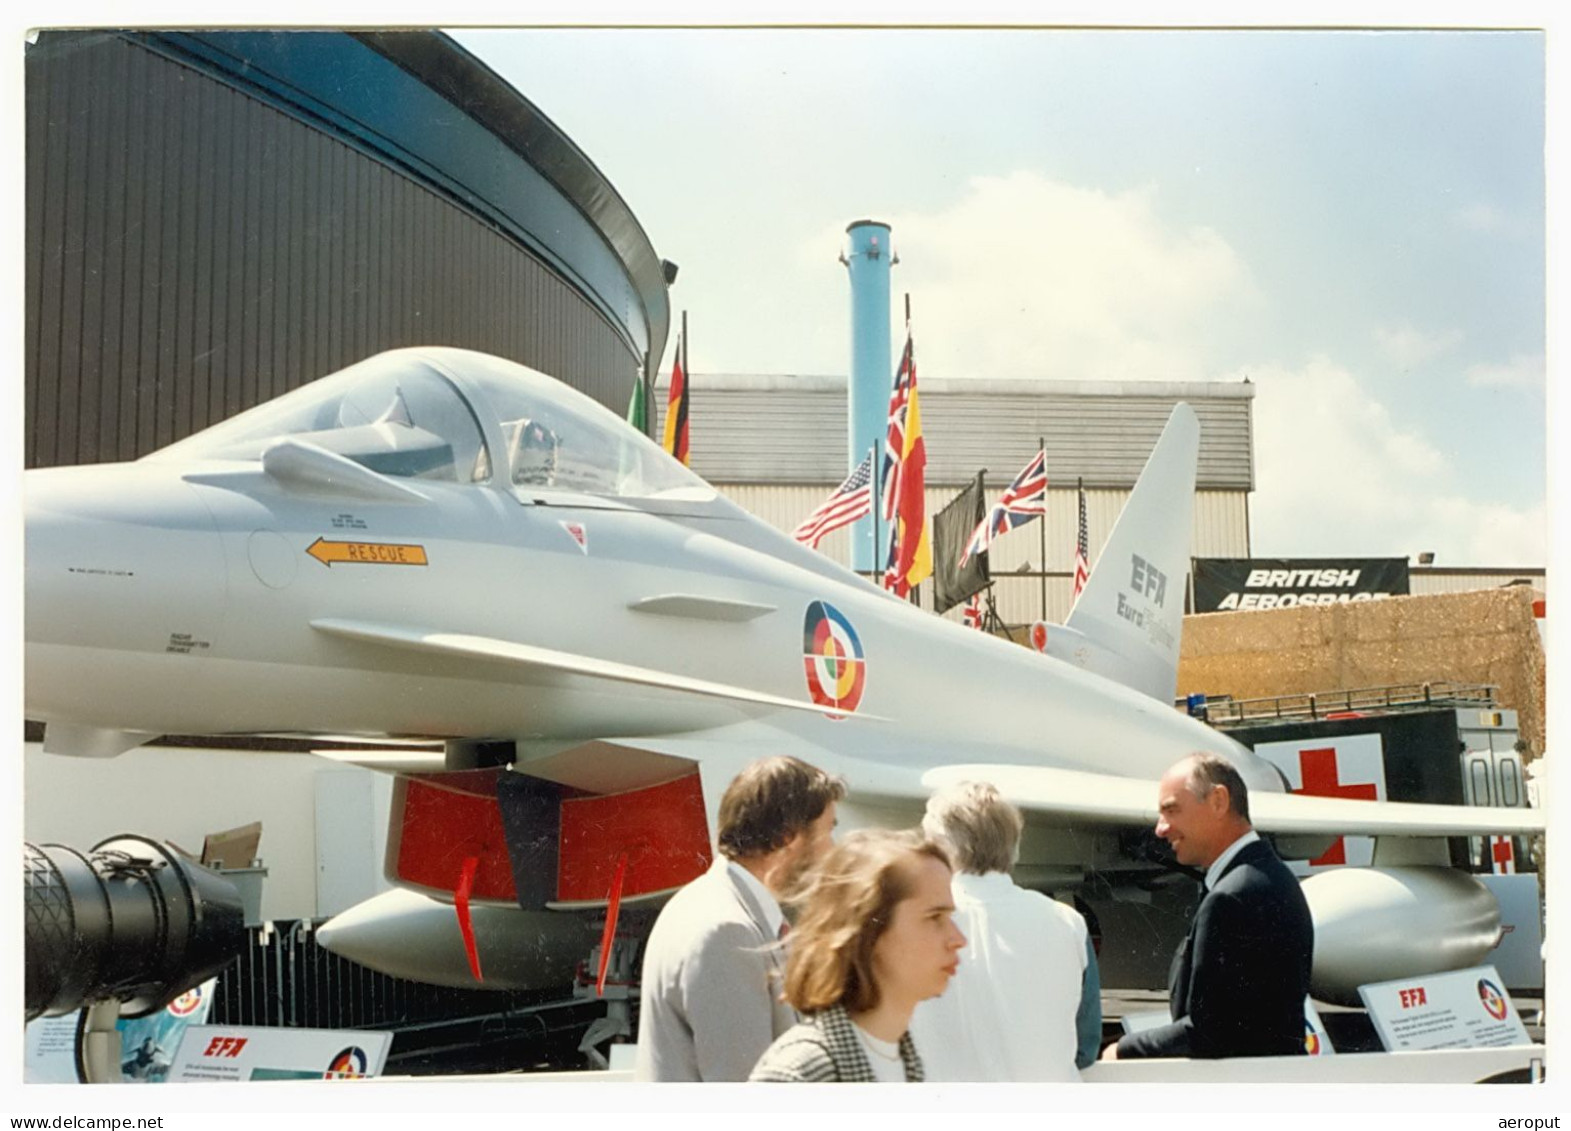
x: 409, y: 935
x: 122, y: 563
x: 1378, y: 924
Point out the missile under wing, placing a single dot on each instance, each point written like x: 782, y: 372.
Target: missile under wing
x: 439, y: 544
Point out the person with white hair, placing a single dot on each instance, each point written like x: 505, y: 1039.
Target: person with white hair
x: 1026, y: 1004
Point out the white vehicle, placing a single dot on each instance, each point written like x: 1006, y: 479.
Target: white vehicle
x: 437, y: 544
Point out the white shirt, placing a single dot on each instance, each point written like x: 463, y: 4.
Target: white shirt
x: 882, y: 1056
x: 1009, y: 1014
x: 766, y: 898
x: 1214, y: 873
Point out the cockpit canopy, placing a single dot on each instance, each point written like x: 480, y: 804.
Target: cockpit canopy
x: 453, y: 415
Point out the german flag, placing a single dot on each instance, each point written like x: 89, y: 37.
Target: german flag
x: 675, y: 438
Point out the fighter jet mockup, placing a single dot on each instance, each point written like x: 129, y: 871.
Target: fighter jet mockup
x: 439, y: 544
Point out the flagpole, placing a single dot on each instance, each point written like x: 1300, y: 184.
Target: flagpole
x: 876, y: 497
x: 1041, y: 443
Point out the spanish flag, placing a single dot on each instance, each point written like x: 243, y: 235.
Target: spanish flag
x: 905, y: 472
x: 675, y: 438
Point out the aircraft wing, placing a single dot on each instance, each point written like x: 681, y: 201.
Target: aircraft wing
x: 882, y: 772
x: 1089, y: 798
x: 877, y: 773
x: 512, y: 653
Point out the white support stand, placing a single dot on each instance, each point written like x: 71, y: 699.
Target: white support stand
x: 98, y: 1045
x: 619, y: 992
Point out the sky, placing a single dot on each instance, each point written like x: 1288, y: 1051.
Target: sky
x: 1354, y: 221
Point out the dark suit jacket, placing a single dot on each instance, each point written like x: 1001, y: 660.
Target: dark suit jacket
x: 1239, y: 981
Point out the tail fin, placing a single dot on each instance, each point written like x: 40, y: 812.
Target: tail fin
x: 1128, y: 620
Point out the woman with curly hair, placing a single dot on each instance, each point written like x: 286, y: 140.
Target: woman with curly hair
x: 874, y: 937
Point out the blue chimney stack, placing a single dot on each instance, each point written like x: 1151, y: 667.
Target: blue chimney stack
x: 868, y: 260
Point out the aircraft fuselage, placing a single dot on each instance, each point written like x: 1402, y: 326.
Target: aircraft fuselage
x: 166, y: 599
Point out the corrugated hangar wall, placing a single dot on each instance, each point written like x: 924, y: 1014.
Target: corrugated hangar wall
x: 192, y: 250
x: 1220, y: 530
x: 776, y: 445
x: 780, y: 429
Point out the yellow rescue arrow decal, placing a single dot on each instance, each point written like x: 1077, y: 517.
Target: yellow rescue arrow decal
x: 366, y: 553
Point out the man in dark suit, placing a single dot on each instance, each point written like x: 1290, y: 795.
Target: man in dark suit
x: 1239, y: 981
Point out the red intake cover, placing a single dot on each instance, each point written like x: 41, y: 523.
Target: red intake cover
x: 661, y: 828
x: 441, y: 828
x: 442, y: 820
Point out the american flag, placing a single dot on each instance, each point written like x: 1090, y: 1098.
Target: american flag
x: 1022, y: 500
x: 851, y: 500
x: 1082, y: 555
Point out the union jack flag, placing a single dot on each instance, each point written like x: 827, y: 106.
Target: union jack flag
x: 850, y: 501
x: 1022, y: 500
x: 894, y: 442
x: 1082, y: 556
x: 971, y: 615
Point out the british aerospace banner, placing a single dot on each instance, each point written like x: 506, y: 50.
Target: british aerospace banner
x: 1223, y: 584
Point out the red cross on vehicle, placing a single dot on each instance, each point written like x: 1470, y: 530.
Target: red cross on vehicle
x: 1319, y: 773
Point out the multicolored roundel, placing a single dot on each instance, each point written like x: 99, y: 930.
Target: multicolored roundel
x: 349, y: 1064
x: 1311, y: 1040
x: 187, y: 1003
x: 832, y: 656
x: 1493, y: 1000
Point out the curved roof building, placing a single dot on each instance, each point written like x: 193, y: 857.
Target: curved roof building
x: 213, y: 218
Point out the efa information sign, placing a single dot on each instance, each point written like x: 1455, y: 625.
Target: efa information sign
x: 1461, y: 1009
x: 1225, y: 584
x: 148, y: 1044
x: 50, y: 1045
x: 221, y: 1053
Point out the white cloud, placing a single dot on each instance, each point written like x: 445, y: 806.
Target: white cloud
x: 1025, y: 276
x: 1337, y: 475
x: 1523, y: 371
x: 1408, y: 347
x: 1030, y: 277
x: 1494, y: 534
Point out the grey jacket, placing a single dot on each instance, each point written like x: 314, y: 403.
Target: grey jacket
x: 711, y: 984
x: 825, y: 1049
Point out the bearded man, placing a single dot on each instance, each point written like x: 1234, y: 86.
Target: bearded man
x: 711, y: 1003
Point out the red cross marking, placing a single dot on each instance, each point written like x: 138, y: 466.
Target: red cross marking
x: 1502, y: 850
x: 1318, y: 770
